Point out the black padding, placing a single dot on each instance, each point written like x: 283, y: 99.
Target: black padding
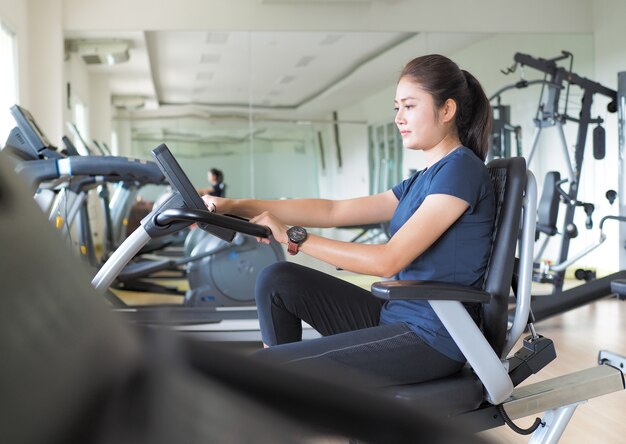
x: 455, y: 394
x: 548, y: 207
x: 509, y: 180
x: 428, y: 290
x: 618, y: 287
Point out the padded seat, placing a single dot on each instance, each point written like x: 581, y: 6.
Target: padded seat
x: 455, y: 394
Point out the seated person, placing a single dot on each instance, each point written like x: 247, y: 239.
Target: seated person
x: 441, y: 222
x: 218, y: 187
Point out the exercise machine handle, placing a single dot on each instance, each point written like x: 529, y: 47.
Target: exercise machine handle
x: 206, y: 217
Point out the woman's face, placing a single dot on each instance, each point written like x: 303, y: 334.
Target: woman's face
x: 417, y: 117
x: 212, y: 178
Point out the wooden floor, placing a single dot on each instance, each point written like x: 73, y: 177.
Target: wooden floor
x: 578, y: 336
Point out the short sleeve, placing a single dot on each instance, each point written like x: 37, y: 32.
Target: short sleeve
x: 405, y: 185
x: 460, y: 177
x: 399, y: 188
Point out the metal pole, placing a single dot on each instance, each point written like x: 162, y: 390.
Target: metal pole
x: 535, y: 142
x: 621, y: 108
x: 568, y: 160
x: 581, y: 138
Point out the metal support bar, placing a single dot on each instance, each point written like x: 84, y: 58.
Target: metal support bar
x: 563, y: 390
x: 554, y: 423
x: 570, y: 170
x: 534, y: 143
x: 525, y: 271
x: 119, y: 259
x: 617, y: 361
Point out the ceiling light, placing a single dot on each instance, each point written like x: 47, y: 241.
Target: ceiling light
x: 210, y: 58
x: 304, y: 61
x: 331, y: 39
x: 128, y: 102
x: 205, y: 75
x: 217, y: 38
x: 97, y: 52
x: 286, y: 79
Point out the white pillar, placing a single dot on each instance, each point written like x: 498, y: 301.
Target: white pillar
x: 45, y: 91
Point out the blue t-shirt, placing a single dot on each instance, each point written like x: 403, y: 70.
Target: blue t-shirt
x: 219, y: 190
x: 460, y: 255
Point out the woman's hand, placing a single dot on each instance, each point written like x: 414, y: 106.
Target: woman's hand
x: 279, y: 230
x: 216, y: 204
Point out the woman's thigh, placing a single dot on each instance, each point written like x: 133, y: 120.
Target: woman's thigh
x: 287, y: 293
x: 392, y: 354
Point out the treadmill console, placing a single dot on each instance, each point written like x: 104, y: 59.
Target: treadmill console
x: 180, y: 182
x: 26, y: 139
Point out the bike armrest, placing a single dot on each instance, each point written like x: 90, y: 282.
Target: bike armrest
x: 428, y: 290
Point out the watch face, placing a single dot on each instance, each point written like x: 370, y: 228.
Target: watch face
x: 296, y: 234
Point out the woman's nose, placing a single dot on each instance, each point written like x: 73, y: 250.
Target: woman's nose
x: 399, y: 118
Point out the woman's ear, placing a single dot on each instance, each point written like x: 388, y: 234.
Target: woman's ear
x: 448, y: 111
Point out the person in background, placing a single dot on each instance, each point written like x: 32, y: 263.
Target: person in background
x: 218, y: 187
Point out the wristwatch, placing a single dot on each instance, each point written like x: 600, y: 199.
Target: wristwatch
x: 296, y: 236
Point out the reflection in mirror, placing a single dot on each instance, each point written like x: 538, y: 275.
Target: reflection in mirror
x: 287, y: 114
x: 257, y: 160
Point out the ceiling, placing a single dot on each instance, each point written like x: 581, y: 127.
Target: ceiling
x: 269, y: 71
x: 207, y: 86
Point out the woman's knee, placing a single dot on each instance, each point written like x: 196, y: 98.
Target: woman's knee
x: 272, y: 278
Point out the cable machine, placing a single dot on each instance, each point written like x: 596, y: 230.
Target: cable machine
x: 558, y: 79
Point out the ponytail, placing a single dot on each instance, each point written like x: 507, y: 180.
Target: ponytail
x: 474, y: 120
x: 443, y: 80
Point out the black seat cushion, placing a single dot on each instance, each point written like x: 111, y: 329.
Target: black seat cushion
x: 452, y: 395
x: 548, y: 208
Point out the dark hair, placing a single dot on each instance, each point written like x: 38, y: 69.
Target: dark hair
x: 443, y: 79
x: 218, y: 174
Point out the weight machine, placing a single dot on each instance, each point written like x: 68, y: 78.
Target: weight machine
x: 558, y: 79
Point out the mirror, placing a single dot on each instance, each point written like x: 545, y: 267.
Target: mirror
x: 285, y: 114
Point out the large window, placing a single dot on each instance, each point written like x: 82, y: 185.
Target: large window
x: 385, y: 157
x: 8, y: 80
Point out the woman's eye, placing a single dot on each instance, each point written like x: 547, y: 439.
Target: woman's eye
x: 396, y: 109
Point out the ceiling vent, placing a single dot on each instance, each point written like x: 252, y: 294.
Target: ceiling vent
x: 101, y: 52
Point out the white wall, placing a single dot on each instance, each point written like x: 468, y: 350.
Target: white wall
x: 100, y: 109
x: 44, y: 91
x: 376, y: 15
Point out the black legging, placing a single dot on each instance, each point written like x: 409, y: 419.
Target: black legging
x: 347, y: 317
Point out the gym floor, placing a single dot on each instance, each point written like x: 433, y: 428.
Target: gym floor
x: 578, y: 336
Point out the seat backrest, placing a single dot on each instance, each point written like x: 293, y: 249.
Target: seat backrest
x: 548, y: 208
x: 509, y: 180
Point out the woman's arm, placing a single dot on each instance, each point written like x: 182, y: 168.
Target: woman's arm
x: 320, y: 213
x: 436, y: 214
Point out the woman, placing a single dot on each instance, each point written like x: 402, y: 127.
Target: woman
x: 441, y: 221
x: 218, y: 187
